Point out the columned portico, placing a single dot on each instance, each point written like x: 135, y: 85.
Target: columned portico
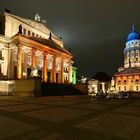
x: 53, y: 66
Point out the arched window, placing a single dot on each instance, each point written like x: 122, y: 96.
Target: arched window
x: 124, y: 82
x: 119, y: 88
x: 137, y: 88
x: 137, y: 53
x: 137, y: 81
x: 24, y: 31
x: 124, y: 88
x: 137, y: 59
x: 29, y: 33
x: 119, y: 82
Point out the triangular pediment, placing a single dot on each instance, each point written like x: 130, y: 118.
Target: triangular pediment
x: 129, y: 71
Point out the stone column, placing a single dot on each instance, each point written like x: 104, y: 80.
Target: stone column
x: 33, y: 57
x: 19, y: 62
x: 26, y: 63
x: 62, y: 71
x: 54, y: 69
x: 44, y: 67
x: 103, y: 87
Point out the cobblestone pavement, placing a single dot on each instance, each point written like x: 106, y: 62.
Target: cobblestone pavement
x: 69, y: 118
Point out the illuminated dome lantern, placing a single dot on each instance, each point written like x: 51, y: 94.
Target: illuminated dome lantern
x: 133, y: 35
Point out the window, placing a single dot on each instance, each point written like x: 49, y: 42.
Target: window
x: 119, y: 82
x: 137, y: 54
x: 65, y: 68
x: 29, y: 60
x: 49, y: 65
x: 132, y: 53
x: 1, y: 55
x: 137, y: 81
x: 119, y: 88
x: 29, y: 32
x: 24, y: 31
x: 0, y: 70
x: 40, y: 63
x: 58, y: 66
x: 137, y: 88
x: 124, y: 82
x: 33, y: 34
x: 125, y: 88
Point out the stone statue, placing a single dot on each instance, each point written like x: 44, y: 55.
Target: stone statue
x: 129, y: 63
x: 50, y: 36
x: 20, y: 29
x: 34, y: 72
x: 112, y: 82
x: 37, y: 17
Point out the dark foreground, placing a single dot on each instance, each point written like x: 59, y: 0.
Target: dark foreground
x: 69, y: 118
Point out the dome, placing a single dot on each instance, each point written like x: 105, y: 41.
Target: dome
x: 133, y: 35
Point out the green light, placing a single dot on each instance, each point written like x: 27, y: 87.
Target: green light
x: 74, y: 75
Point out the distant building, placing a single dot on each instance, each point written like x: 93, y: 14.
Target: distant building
x: 128, y: 77
x: 29, y: 48
x: 99, y: 83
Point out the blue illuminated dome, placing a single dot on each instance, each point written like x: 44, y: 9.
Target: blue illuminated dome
x: 133, y: 35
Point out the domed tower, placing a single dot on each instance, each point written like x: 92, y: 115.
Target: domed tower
x: 128, y: 77
x: 132, y: 50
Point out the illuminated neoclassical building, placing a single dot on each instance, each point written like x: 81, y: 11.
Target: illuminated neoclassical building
x: 128, y: 77
x: 27, y: 45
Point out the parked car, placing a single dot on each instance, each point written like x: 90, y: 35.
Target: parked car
x: 100, y: 95
x: 125, y: 94
x: 113, y: 95
x: 118, y: 95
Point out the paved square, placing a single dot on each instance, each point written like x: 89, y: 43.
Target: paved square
x: 9, y: 127
x: 22, y: 107
x: 70, y: 118
x: 57, y: 114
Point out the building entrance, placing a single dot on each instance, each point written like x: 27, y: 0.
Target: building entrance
x: 49, y: 76
x: 57, y: 77
x: 28, y: 72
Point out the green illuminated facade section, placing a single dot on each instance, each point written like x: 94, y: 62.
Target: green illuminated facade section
x: 74, y: 69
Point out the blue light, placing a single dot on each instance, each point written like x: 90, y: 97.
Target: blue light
x: 133, y: 35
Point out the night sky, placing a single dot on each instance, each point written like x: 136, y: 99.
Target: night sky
x: 95, y: 30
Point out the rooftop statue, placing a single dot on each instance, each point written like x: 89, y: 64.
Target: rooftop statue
x: 37, y: 17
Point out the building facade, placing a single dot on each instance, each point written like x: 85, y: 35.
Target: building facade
x: 99, y: 84
x: 29, y: 48
x: 128, y: 77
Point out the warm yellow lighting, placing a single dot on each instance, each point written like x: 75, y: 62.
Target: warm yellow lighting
x: 24, y: 74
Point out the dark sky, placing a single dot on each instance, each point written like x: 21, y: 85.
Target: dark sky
x: 95, y: 30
